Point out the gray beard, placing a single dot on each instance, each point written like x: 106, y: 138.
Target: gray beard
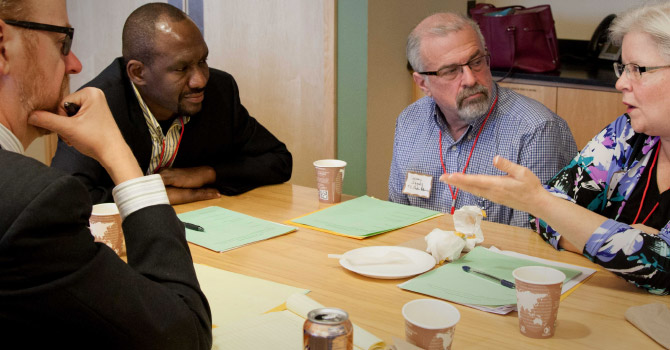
x: 473, y: 109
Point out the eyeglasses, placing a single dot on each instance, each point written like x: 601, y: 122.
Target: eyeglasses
x: 454, y: 71
x: 632, y: 70
x: 69, y: 31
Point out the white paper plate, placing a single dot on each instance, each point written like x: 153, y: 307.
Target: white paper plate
x: 417, y: 262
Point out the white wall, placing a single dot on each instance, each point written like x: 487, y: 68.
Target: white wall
x: 575, y: 19
x: 97, y: 34
x: 281, y: 54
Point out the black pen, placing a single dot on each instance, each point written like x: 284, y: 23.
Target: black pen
x: 71, y: 108
x: 193, y: 227
x: 505, y: 283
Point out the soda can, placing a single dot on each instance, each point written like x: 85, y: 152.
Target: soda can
x: 328, y: 329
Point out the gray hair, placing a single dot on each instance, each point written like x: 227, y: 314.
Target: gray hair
x: 652, y: 19
x: 439, y: 24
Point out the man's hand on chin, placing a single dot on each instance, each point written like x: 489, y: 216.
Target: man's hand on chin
x: 178, y: 195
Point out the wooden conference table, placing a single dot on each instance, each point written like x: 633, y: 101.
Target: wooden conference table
x: 591, y: 317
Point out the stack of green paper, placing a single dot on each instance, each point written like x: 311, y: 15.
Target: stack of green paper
x: 226, y: 229
x: 364, y: 217
x: 450, y: 282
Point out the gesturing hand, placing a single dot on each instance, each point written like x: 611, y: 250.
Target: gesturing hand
x: 519, y: 189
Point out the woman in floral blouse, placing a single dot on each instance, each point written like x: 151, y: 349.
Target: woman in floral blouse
x: 620, y: 180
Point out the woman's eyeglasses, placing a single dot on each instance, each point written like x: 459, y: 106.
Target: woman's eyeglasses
x: 632, y: 70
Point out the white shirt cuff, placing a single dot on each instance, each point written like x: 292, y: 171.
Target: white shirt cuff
x: 138, y: 193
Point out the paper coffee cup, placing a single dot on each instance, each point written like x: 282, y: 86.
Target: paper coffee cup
x: 538, y: 293
x: 329, y: 177
x: 430, y: 324
x: 105, y: 224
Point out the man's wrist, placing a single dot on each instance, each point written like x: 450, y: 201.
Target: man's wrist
x: 121, y: 164
x: 138, y: 193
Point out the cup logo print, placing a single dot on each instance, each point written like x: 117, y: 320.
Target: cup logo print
x: 446, y: 338
x: 105, y: 225
x: 527, y: 301
x: 538, y: 293
x: 101, y: 229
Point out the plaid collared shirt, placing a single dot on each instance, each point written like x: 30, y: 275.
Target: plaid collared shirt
x: 519, y: 129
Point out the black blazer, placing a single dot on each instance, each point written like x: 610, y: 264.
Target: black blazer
x: 243, y: 153
x: 60, y: 289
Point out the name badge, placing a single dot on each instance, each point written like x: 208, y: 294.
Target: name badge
x: 418, y: 185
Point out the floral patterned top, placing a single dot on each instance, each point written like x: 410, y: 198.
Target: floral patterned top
x: 603, y: 175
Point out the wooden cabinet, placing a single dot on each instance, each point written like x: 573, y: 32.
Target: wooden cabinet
x: 586, y: 111
x: 544, y: 94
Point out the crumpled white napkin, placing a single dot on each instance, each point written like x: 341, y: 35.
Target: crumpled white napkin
x: 448, y: 245
x: 444, y: 245
x: 468, y: 221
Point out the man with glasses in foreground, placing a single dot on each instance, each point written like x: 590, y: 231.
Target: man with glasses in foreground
x: 464, y: 121
x: 58, y: 288
x: 182, y: 119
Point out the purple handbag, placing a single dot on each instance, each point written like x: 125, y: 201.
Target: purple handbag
x: 518, y: 37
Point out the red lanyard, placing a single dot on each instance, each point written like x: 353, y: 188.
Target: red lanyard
x: 454, y: 195
x: 646, y: 187
x: 160, y: 160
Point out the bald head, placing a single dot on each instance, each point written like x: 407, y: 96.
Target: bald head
x: 139, y: 31
x: 439, y: 24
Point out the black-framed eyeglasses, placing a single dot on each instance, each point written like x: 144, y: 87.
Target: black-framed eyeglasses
x: 455, y: 70
x: 69, y: 31
x: 633, y: 70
